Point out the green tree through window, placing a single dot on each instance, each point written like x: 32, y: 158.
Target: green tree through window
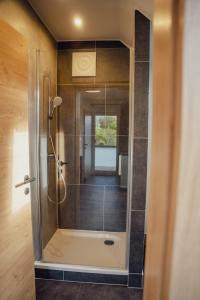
x: 106, y: 131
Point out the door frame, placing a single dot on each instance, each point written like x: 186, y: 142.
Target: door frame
x: 85, y: 145
x: 165, y: 148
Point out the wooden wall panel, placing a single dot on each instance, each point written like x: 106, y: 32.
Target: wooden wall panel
x: 16, y: 246
x: 185, y: 252
x: 21, y: 16
x: 173, y: 243
x: 167, y: 50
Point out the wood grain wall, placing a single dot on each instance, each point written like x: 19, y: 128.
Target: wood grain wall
x: 185, y: 260
x: 173, y: 243
x: 161, y: 149
x: 16, y: 246
x: 20, y: 16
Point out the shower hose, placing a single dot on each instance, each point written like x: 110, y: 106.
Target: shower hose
x: 60, y: 173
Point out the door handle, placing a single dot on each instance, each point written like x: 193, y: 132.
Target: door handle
x: 62, y: 163
x: 27, y: 180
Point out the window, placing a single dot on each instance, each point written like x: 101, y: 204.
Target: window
x: 105, y: 143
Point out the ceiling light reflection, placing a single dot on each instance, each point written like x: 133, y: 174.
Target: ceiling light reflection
x: 93, y: 91
x: 78, y: 22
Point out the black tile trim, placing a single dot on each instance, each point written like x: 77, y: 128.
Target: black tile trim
x: 65, y: 45
x: 49, y: 274
x: 110, y: 44
x: 96, y: 278
x: 81, y: 276
x: 135, y: 280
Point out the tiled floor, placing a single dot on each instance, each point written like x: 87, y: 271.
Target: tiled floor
x: 65, y: 245
x: 103, y: 180
x: 57, y: 290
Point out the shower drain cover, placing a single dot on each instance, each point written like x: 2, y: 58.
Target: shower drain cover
x: 109, y: 242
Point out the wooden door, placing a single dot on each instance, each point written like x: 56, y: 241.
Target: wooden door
x: 16, y: 249
x: 172, y: 264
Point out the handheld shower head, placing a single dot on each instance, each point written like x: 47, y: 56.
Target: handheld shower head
x: 55, y: 102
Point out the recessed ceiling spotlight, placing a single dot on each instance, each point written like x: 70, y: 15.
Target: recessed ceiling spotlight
x: 78, y: 22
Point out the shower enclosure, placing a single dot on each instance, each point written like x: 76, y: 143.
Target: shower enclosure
x: 93, y: 152
x: 83, y: 174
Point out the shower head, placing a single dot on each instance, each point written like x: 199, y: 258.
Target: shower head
x: 55, y: 102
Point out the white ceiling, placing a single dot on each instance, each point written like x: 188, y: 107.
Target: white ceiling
x: 102, y: 19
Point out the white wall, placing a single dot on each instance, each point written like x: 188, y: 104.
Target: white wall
x: 127, y: 17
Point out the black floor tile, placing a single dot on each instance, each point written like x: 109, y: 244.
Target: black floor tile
x: 116, y: 293
x: 103, y: 180
x: 91, y: 291
x: 58, y: 290
x: 136, y: 294
x: 103, y: 292
x: 68, y: 291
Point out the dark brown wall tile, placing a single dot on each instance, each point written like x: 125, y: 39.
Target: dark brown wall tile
x: 117, y: 103
x: 137, y: 242
x: 113, y: 65
x: 64, y: 67
x: 83, y: 208
x: 67, y: 111
x: 141, y: 99
x: 142, y: 37
x: 135, y: 280
x: 139, y: 174
x: 140, y: 144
